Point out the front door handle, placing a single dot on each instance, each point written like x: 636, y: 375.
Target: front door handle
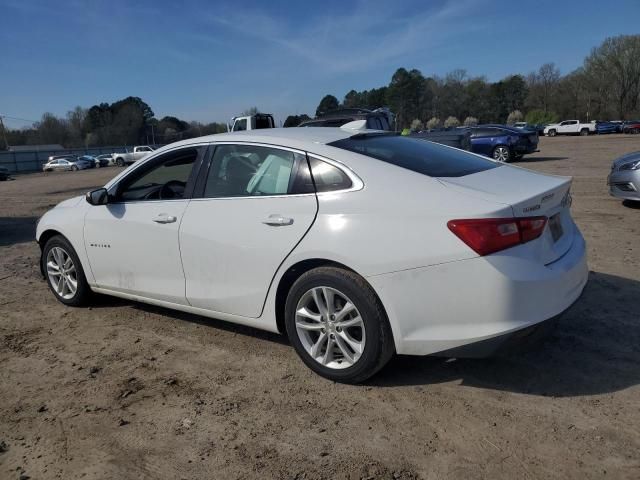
x: 164, y: 218
x: 277, y: 220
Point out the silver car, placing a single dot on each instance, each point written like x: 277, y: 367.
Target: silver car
x: 66, y: 164
x: 624, y: 179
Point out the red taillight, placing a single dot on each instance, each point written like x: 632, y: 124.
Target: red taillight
x: 490, y: 235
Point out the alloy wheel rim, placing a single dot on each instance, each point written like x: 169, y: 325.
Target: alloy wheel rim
x: 62, y: 273
x: 501, y: 154
x: 330, y: 327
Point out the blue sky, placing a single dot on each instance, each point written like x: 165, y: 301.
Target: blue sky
x: 206, y: 60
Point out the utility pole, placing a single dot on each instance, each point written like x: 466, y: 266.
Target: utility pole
x: 4, y: 134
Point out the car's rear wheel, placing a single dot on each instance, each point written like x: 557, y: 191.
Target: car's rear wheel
x: 584, y: 132
x: 337, y: 325
x: 635, y: 131
x: 501, y: 153
x: 119, y: 162
x: 64, y: 273
x: 552, y: 133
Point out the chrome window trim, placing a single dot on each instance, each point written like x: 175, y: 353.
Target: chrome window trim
x: 356, y: 182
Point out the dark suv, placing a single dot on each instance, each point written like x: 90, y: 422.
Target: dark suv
x: 503, y: 143
x: 337, y: 118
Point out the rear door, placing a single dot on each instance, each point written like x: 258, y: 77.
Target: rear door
x: 256, y: 203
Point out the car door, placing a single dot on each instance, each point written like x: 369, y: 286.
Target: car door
x: 132, y: 242
x: 482, y: 141
x: 256, y: 203
x: 63, y: 165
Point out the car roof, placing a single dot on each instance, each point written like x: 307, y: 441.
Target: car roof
x: 301, y: 138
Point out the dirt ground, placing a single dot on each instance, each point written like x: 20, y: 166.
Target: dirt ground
x: 123, y: 390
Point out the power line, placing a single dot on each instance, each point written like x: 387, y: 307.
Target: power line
x: 17, y: 118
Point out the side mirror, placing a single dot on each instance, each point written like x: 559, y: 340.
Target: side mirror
x: 98, y: 197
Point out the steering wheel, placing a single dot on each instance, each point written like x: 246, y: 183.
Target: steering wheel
x: 172, y: 189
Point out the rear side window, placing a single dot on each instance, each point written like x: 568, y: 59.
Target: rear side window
x: 420, y: 156
x: 327, y: 177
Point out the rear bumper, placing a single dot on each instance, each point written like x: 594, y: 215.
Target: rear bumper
x: 433, y: 310
x: 524, y: 149
x: 507, y: 343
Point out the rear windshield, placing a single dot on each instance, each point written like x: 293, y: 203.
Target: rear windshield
x: 418, y: 155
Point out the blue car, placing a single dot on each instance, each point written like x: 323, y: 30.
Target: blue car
x: 503, y: 143
x: 606, y: 127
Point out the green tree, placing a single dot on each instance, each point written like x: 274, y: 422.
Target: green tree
x: 616, y: 63
x: 328, y: 103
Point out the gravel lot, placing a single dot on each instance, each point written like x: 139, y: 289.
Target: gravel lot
x: 125, y: 390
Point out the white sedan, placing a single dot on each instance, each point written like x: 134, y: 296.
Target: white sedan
x: 358, y: 245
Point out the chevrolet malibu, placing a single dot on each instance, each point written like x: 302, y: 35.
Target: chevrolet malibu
x: 358, y: 245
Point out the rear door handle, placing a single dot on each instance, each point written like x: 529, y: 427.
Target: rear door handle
x: 164, y: 218
x: 277, y: 220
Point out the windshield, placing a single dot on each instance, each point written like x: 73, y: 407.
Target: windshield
x: 418, y: 155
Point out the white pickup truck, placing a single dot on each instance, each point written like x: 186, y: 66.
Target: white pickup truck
x: 251, y: 122
x: 569, y: 127
x: 128, y: 158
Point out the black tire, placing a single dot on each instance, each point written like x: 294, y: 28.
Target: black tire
x: 635, y: 131
x: 74, y: 168
x: 518, y: 156
x: 379, y: 346
x: 120, y: 162
x: 552, y: 133
x: 502, y: 153
x: 584, y: 132
x: 83, y: 291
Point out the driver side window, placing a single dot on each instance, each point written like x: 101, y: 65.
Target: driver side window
x: 165, y: 178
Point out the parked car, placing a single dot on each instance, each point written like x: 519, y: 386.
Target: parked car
x: 453, y: 137
x: 536, y: 127
x: 128, y: 158
x: 605, y: 127
x: 569, y: 127
x: 503, y: 143
x: 95, y: 161
x: 378, y: 120
x: 67, y: 156
x: 624, y: 179
x: 4, y: 174
x: 357, y: 245
x: 106, y: 159
x: 618, y: 124
x: 68, y: 163
x: 337, y: 118
x: 91, y: 160
x: 256, y: 121
x: 631, y: 126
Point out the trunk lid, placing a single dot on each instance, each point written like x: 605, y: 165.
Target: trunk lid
x: 530, y: 194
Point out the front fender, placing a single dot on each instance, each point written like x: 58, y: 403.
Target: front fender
x: 67, y: 219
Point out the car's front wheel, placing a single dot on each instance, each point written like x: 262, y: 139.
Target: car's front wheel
x: 552, y: 133
x: 119, y: 162
x: 501, y: 153
x: 337, y: 325
x: 64, y: 273
x: 74, y: 168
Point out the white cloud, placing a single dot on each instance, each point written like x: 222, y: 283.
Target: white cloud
x: 371, y: 34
